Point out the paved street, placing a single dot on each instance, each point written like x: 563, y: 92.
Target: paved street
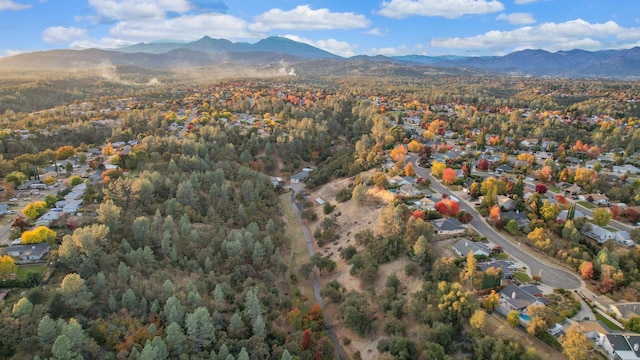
x: 551, y: 275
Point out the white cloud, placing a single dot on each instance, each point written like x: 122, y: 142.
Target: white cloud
x: 9, y: 52
x: 552, y: 36
x: 104, y: 43
x: 399, y: 50
x: 451, y: 9
x: 191, y: 27
x: 62, y: 35
x: 11, y: 5
x: 517, y: 18
x: 521, y: 2
x: 333, y: 46
x: 377, y: 32
x: 305, y: 18
x: 135, y: 9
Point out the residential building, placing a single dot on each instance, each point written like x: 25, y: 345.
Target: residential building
x: 299, y: 177
x: 598, y: 234
x: 626, y: 310
x: 521, y: 297
x: 31, y: 252
x: 519, y: 217
x: 506, y: 203
x: 622, y: 346
x: 598, y: 199
x: 448, y: 226
x: 626, y: 169
x: 463, y: 247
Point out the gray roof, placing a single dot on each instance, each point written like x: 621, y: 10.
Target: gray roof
x: 300, y: 176
x: 4, y: 208
x: 29, y: 250
x: 521, y: 297
x: 618, y: 342
x: 447, y: 224
x: 464, y: 246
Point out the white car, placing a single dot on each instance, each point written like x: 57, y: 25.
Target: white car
x: 13, y: 200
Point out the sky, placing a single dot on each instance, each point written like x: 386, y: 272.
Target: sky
x: 343, y: 27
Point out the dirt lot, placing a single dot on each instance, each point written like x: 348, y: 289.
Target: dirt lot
x: 353, y: 219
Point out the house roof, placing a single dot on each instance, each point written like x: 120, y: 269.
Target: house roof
x: 300, y: 176
x: 3, y: 209
x: 447, y: 224
x: 628, y: 310
x: 520, y: 297
x: 594, y: 325
x: 464, y: 246
x: 29, y: 250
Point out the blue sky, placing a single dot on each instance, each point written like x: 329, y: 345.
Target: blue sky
x: 345, y: 27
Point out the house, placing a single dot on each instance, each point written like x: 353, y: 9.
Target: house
x: 426, y: 204
x: 504, y: 169
x: 506, y: 202
x: 625, y: 311
x: 463, y: 247
x: 591, y: 164
x: 399, y: 180
x: 521, y: 297
x: 448, y: 226
x: 595, y: 330
x: 76, y: 192
x: 31, y: 252
x: 49, y: 217
x: 598, y: 234
x: 519, y: 217
x: 506, y: 266
x: 408, y: 190
x: 623, y: 237
x: 622, y: 346
x: 299, y: 177
x: 573, y: 190
x: 599, y: 199
x: 626, y: 169
x: 529, y: 143
x: 564, y: 213
x: 541, y: 156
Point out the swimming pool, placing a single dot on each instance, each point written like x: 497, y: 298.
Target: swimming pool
x: 525, y: 317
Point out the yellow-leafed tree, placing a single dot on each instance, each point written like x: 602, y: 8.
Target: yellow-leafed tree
x: 39, y: 235
x: 7, y: 266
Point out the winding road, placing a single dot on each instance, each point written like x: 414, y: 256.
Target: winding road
x: 550, y: 274
x: 339, y: 351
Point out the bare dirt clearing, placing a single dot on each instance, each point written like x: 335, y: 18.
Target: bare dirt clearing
x: 352, y: 219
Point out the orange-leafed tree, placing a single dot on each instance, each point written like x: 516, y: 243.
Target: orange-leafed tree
x: 545, y: 173
x: 399, y: 153
x: 586, y: 270
x: 494, y: 213
x: 418, y: 214
x: 449, y: 176
x: 448, y: 207
x: 65, y: 152
x: 409, y: 170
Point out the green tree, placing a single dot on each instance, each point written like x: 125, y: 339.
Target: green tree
x: 75, y: 292
x: 48, y: 331
x: 50, y: 200
x: 200, y: 329
x: 74, y: 180
x: 454, y: 302
x: 175, y: 339
x: 62, y: 349
x: 360, y: 194
x: 22, y: 307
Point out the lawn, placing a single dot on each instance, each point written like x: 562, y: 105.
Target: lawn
x: 606, y: 321
x: 23, y: 270
x: 501, y: 256
x: 554, y: 189
x: 587, y: 205
x: 522, y: 277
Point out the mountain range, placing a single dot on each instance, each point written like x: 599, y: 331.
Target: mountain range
x: 618, y: 64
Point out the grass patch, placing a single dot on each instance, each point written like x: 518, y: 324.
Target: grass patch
x: 454, y: 187
x: 554, y: 189
x: 522, y: 277
x: 501, y: 256
x: 606, y: 321
x: 23, y: 270
x: 587, y: 205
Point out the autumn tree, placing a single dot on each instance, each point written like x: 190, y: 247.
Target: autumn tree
x: 545, y: 174
x: 449, y: 176
x: 575, y: 344
x: 539, y: 239
x: 601, y: 216
x: 7, y: 267
x: 34, y: 210
x: 542, y: 318
x: 454, y: 302
x: 399, y: 153
x: 413, y: 146
x: 38, y: 235
x: 75, y: 292
x: 409, y: 170
x: 483, y: 165
x: 584, y: 176
x: 448, y: 207
x: 478, y: 321
x: 586, y: 270
x: 494, y: 213
x: 65, y: 152
x: 437, y: 168
x: 513, y: 318
x: 541, y: 189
